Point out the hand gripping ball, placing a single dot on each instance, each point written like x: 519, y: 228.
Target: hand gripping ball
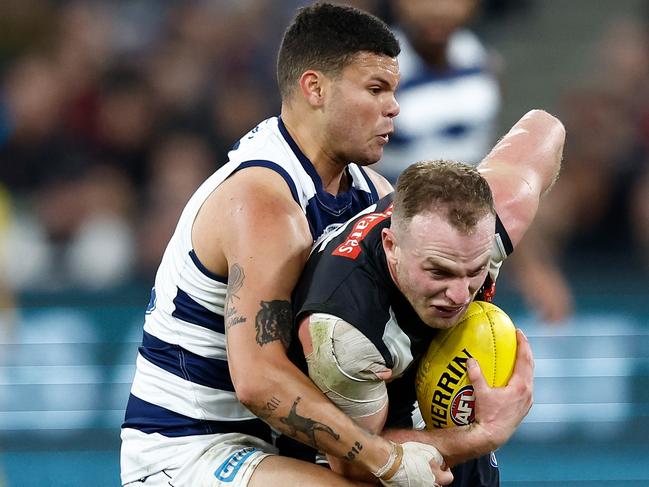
x: 444, y: 392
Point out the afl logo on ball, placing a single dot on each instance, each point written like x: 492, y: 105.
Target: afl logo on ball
x: 462, y: 412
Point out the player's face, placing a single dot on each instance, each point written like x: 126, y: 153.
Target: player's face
x: 359, y: 111
x: 440, y: 269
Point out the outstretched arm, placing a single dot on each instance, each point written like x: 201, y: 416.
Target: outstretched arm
x: 520, y: 170
x: 521, y: 167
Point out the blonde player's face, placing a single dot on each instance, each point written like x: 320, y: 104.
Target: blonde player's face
x: 360, y: 107
x: 440, y: 269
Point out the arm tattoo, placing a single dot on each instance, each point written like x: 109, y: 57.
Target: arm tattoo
x: 235, y: 281
x: 269, y: 408
x: 306, y: 426
x: 274, y: 322
x: 356, y: 449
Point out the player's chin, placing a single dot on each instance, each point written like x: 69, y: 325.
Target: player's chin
x: 372, y: 156
x: 373, y: 153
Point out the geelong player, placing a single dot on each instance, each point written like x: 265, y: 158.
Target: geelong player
x: 213, y: 359
x: 375, y: 290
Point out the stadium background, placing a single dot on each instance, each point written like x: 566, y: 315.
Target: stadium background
x: 112, y: 111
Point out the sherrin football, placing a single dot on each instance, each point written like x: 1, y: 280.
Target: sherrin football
x: 444, y: 392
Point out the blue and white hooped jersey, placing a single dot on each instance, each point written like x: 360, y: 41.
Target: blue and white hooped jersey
x: 182, y: 386
x: 444, y: 115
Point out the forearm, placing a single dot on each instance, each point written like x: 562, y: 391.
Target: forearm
x: 457, y: 445
x: 287, y: 400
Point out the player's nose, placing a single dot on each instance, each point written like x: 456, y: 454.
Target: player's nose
x: 458, y: 291
x: 392, y: 107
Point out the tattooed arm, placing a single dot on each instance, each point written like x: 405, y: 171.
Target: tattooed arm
x: 262, y: 238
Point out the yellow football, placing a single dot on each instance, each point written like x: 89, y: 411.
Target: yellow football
x: 444, y: 392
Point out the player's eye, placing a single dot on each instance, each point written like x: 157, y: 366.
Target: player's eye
x: 439, y: 273
x: 375, y: 90
x: 478, y: 272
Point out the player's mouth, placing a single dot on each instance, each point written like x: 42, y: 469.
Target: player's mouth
x: 384, y: 137
x: 448, y: 312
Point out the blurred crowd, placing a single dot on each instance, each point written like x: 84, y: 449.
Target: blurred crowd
x: 112, y: 113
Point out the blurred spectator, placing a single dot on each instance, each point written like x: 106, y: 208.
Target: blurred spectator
x: 449, y: 92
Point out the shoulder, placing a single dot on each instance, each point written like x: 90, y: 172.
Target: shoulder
x: 254, y: 208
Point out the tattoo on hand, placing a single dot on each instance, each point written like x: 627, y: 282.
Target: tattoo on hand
x: 235, y: 281
x: 274, y: 322
x: 306, y: 426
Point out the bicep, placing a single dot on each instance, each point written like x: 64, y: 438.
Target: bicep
x: 265, y: 241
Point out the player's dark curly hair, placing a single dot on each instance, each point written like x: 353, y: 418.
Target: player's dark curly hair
x: 326, y: 37
x: 457, y: 190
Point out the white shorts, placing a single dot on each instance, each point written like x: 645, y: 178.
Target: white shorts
x: 228, y: 461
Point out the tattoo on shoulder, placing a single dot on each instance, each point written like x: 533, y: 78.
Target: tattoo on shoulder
x: 235, y: 281
x: 306, y: 426
x: 274, y: 322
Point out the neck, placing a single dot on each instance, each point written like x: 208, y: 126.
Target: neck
x: 310, y: 141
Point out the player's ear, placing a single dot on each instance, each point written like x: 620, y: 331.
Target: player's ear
x: 390, y: 245
x: 312, y: 84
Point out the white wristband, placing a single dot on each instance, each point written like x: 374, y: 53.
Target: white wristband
x: 388, y: 470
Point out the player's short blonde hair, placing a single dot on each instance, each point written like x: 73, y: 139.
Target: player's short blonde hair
x: 457, y: 191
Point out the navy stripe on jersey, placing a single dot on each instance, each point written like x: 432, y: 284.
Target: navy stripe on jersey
x: 150, y: 418
x: 199, y: 265
x: 209, y: 372
x: 186, y: 309
x: 275, y: 167
x: 448, y: 131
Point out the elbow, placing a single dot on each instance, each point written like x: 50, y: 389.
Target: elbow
x: 248, y: 394
x: 551, y: 135
x: 552, y: 125
x: 248, y: 386
x: 543, y: 116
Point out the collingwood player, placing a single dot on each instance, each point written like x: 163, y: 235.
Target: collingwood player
x: 375, y: 291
